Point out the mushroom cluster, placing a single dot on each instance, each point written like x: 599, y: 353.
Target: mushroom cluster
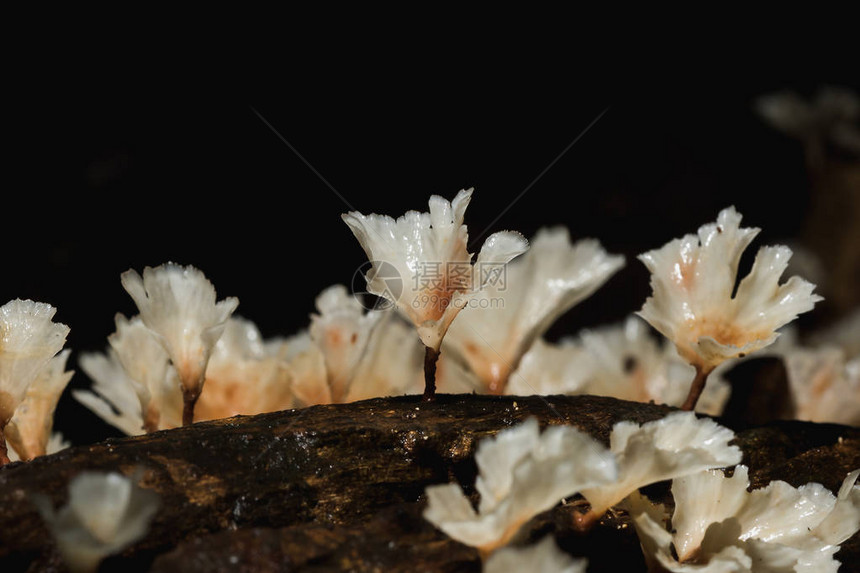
x: 480, y: 325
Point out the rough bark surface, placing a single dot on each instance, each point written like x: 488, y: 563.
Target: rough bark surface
x: 340, y: 487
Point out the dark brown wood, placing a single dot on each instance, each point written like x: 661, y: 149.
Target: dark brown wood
x: 400, y: 540
x: 340, y: 487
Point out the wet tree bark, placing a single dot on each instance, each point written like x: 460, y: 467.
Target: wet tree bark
x: 340, y: 487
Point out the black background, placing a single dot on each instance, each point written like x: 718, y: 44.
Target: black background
x: 100, y: 180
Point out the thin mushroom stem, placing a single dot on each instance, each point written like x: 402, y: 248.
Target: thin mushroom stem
x: 431, y: 356
x: 4, y: 453
x: 696, y: 388
x: 189, y: 400
x: 150, y: 420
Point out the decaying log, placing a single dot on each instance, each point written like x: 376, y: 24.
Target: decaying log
x: 340, y: 487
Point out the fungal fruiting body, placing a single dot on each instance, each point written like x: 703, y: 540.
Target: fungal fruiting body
x: 148, y: 366
x: 178, y: 304
x: 676, y: 445
x: 521, y: 472
x: 113, y: 397
x: 551, y: 368
x: 29, y: 339
x: 825, y: 386
x: 246, y: 374
x: 829, y: 119
x: 420, y: 263
x: 541, y: 557
x: 392, y: 362
x: 306, y: 363
x: 341, y: 329
x: 56, y: 443
x: 824, y: 373
x: 693, y: 279
x: 136, y: 389
x: 522, y: 301
x: 106, y: 513
x: 622, y: 361
x: 349, y: 353
x: 718, y: 525
x: 29, y: 432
